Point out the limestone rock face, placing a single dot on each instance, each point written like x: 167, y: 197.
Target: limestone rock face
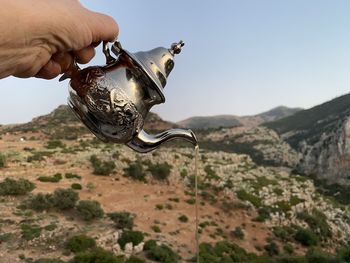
x: 329, y: 158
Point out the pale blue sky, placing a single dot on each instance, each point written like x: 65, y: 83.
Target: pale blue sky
x: 241, y: 57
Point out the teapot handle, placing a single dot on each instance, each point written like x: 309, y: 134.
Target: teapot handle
x: 106, y: 51
x: 144, y: 142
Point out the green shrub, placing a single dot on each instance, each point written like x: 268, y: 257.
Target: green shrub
x: 2, y: 160
x: 90, y: 209
x: 97, y: 255
x: 4, y: 237
x: 174, y: 199
x: 245, y: 196
x: 238, y: 233
x: 76, y: 186
x: 162, y: 253
x: 122, y: 220
x: 159, y: 206
x: 38, y: 156
x: 263, y: 214
x: 30, y: 232
x: 156, y: 229
x: 50, y: 227
x: 343, y: 254
x: 135, y: 237
x: 51, y: 179
x: 90, y: 186
x: 64, y: 199
x: 16, y: 187
x: 284, y: 233
x: 160, y: 171
x: 40, y: 202
x: 49, y: 260
x: 191, y: 201
x: 315, y: 255
x: 224, y: 251
x: 211, y: 174
x: 306, y: 237
x: 272, y: 249
x: 183, y: 173
x: 135, y: 171
x: 283, y: 206
x: 183, y: 219
x: 317, y: 221
x: 294, y: 200
x: 53, y: 144
x: 291, y: 259
x: 288, y: 248
x: 149, y: 244
x: 101, y: 167
x: 72, y: 176
x: 80, y: 243
x: 134, y: 259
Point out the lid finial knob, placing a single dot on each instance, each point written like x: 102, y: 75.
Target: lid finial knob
x: 176, y: 47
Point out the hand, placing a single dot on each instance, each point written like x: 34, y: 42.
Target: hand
x: 40, y: 38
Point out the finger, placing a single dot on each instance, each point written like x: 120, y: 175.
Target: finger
x: 103, y: 27
x: 51, y: 70
x: 64, y: 60
x: 84, y: 55
x: 96, y: 44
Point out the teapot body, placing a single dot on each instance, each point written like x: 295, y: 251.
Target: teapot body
x: 113, y: 100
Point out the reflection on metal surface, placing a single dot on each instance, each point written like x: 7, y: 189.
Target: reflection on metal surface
x: 144, y: 142
x: 114, y: 100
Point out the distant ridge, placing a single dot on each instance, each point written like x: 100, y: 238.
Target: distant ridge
x: 208, y: 122
x: 310, y: 124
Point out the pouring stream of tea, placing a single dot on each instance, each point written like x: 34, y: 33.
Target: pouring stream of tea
x: 196, y: 149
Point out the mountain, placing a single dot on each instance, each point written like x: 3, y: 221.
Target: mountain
x: 236, y: 121
x: 278, y: 113
x: 208, y: 122
x: 322, y: 135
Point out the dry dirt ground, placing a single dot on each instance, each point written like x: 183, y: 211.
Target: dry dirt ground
x: 115, y: 193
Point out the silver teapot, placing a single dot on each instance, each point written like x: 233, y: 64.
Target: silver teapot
x: 113, y: 100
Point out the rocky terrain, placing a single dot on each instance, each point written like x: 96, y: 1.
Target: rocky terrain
x: 67, y: 197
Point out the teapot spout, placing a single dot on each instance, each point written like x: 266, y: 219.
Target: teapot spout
x: 144, y: 142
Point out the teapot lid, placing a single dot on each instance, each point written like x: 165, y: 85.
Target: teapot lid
x: 157, y: 64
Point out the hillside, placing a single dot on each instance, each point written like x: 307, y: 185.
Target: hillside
x: 61, y: 123
x: 321, y: 135
x: 242, y: 205
x: 140, y: 207
x: 212, y: 122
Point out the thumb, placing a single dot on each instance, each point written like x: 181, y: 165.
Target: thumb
x: 103, y: 27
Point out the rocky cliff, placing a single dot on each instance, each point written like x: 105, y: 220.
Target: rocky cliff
x: 322, y: 135
x: 329, y: 158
